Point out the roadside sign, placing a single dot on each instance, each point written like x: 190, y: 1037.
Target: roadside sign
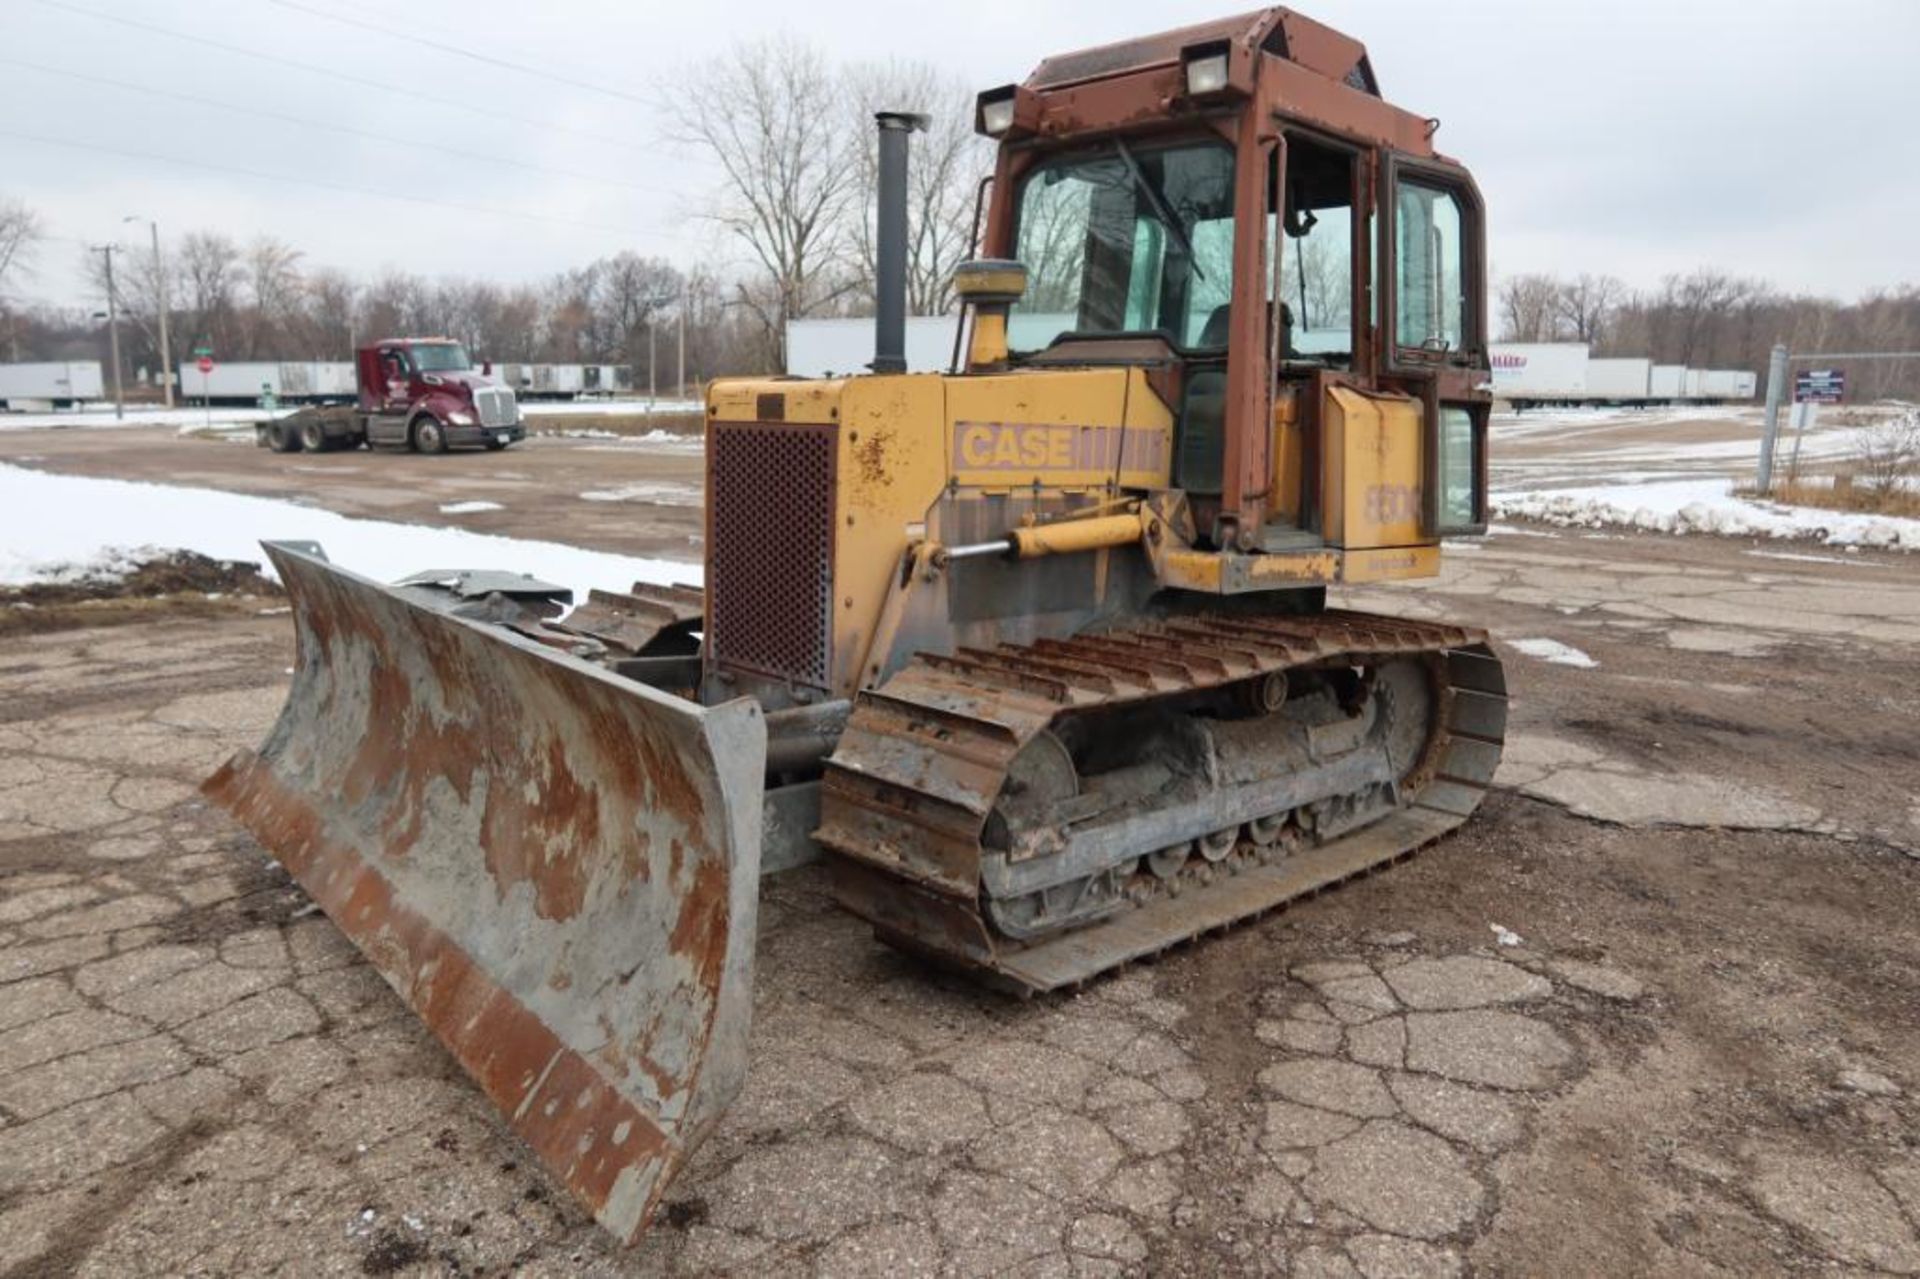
x: 1820, y: 386
x: 203, y: 350
x: 204, y: 364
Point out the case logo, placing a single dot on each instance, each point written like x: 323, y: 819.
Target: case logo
x: 1028, y: 447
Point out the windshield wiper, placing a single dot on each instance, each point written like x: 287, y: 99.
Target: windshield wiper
x: 1159, y: 207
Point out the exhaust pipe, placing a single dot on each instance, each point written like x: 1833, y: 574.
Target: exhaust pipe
x: 890, y: 250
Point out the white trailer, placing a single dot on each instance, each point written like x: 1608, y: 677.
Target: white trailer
x: 1667, y: 382
x: 1618, y: 381
x: 1695, y: 387
x: 59, y: 383
x: 836, y: 348
x: 1539, y: 372
x: 1728, y: 384
x: 316, y: 380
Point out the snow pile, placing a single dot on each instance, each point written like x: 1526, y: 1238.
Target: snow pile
x: 1552, y: 650
x: 1704, y: 506
x: 65, y: 527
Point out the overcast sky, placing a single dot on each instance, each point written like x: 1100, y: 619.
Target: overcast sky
x: 1629, y: 137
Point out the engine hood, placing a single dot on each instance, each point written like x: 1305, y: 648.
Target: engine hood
x: 462, y: 383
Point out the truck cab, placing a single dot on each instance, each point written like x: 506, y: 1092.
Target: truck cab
x: 418, y: 393
x: 425, y: 393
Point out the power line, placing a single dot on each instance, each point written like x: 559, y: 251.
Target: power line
x: 384, y: 87
x: 321, y: 124
x: 321, y: 183
x: 486, y: 58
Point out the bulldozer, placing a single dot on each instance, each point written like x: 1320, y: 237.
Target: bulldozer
x: 1033, y: 654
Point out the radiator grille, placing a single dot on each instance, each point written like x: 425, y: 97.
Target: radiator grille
x: 770, y: 538
x: 495, y: 405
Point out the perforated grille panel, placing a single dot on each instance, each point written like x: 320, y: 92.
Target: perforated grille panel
x: 770, y: 514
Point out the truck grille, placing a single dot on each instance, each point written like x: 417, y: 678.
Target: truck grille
x: 495, y: 405
x: 770, y: 513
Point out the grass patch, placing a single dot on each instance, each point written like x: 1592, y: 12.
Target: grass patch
x: 1841, y: 494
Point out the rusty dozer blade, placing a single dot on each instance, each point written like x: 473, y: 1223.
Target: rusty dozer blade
x: 556, y: 868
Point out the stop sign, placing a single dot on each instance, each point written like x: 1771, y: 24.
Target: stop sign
x: 205, y: 364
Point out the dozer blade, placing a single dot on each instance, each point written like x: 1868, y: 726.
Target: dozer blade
x: 556, y: 868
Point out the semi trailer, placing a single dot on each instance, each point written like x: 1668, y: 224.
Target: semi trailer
x: 49, y: 385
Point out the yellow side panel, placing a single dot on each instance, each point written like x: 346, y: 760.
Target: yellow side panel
x: 1391, y: 564
x: 891, y: 468
x: 1373, y: 488
x: 811, y: 400
x: 1074, y: 428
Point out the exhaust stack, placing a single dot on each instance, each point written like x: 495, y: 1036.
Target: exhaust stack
x: 890, y: 250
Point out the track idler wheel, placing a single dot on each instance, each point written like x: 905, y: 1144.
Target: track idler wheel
x: 1215, y: 846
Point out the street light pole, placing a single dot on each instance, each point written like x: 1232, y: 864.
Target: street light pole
x: 160, y: 292
x: 113, y: 336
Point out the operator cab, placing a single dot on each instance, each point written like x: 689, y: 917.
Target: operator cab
x: 1148, y: 189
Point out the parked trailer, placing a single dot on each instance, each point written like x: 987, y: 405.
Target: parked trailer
x: 51, y: 384
x: 1618, y: 381
x: 1667, y: 382
x: 1728, y: 384
x: 289, y: 381
x: 1528, y: 373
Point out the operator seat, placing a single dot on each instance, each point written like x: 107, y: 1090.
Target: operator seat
x: 1200, y: 448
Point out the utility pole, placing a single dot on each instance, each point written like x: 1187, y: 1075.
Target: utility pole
x: 680, y: 381
x: 113, y: 335
x: 652, y: 328
x: 1776, y: 391
x: 160, y: 286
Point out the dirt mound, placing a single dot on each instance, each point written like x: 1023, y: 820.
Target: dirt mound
x: 181, y: 581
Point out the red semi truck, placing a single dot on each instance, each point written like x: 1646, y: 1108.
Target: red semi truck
x: 417, y: 393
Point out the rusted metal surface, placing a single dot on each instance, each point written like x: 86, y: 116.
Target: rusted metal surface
x: 629, y: 622
x: 556, y: 868
x: 926, y: 758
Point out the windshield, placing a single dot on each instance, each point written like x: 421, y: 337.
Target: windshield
x: 441, y: 357
x: 1127, y: 240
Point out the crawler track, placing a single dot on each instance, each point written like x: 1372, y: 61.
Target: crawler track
x: 927, y: 756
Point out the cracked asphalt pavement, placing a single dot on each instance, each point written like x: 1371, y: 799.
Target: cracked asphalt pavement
x: 1653, y: 1010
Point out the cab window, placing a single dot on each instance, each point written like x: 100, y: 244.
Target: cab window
x: 1127, y: 240
x: 1430, y: 261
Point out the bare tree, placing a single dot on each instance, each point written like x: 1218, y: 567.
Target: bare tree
x: 943, y: 175
x: 209, y: 267
x: 1584, y: 306
x: 332, y: 301
x: 274, y: 283
x: 1890, y: 452
x: 1529, y: 306
x: 772, y: 117
x: 21, y: 234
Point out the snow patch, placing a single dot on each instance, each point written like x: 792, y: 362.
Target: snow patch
x: 60, y: 526
x: 1705, y: 506
x: 469, y: 508
x: 1552, y: 650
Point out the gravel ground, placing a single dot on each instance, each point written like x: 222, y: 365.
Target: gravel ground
x: 1696, y: 1056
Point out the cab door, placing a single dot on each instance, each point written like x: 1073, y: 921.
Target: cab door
x: 1432, y: 252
